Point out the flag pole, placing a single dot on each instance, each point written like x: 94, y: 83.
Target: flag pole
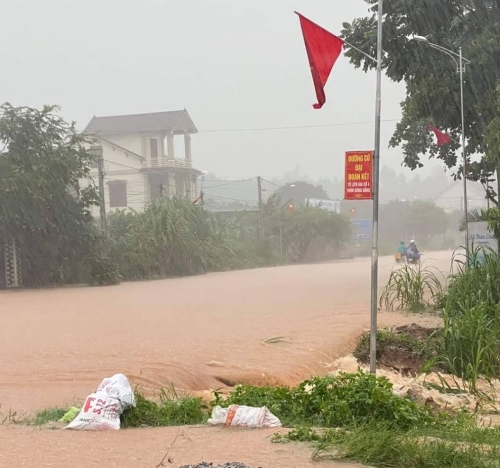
x: 376, y: 168
x: 361, y: 52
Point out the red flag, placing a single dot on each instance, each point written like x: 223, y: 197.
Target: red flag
x: 442, y: 138
x: 323, y: 49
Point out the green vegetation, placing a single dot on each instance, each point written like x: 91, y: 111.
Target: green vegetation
x: 413, y: 350
x: 412, y: 287
x: 433, y: 91
x: 171, y: 410
x: 48, y: 416
x: 43, y: 207
x: 334, y: 401
x: 174, y: 237
x: 378, y: 445
x: 470, y: 344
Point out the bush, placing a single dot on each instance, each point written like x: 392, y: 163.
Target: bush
x: 104, y: 270
x: 334, y: 401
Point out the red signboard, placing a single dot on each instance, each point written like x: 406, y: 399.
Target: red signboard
x: 358, y: 175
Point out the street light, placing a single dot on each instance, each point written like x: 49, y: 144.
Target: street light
x: 460, y: 68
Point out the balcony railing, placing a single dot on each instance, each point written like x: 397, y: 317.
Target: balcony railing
x: 169, y: 162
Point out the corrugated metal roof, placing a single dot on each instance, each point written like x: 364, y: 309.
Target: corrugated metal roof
x: 153, y: 122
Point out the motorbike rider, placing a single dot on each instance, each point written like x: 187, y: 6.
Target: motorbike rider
x: 402, y: 249
x: 412, y: 251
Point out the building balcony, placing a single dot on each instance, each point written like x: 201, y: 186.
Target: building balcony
x: 166, y: 162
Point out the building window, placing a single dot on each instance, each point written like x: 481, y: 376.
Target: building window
x: 154, y: 149
x: 118, y: 194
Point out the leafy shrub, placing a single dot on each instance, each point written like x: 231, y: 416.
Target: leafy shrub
x: 334, y: 401
x: 412, y: 287
x: 104, y: 270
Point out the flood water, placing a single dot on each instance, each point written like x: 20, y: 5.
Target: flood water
x: 266, y: 326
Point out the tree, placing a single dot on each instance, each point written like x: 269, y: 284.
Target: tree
x: 433, y: 88
x: 307, y: 233
x: 41, y: 205
x: 299, y: 192
x: 422, y: 219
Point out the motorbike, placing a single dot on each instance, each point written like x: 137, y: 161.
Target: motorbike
x: 413, y: 259
x: 400, y: 258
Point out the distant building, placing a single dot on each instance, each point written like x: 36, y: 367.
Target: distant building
x: 140, y: 162
x: 452, y: 198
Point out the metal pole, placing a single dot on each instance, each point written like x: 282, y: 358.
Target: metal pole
x: 259, y: 188
x: 376, y: 164
x: 97, y: 151
x: 281, y: 233
x: 464, y: 157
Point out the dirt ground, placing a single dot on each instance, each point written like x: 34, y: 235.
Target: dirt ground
x: 275, y: 325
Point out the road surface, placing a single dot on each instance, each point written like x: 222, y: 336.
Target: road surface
x: 266, y: 326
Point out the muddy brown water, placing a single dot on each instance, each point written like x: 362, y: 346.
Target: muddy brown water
x: 266, y: 326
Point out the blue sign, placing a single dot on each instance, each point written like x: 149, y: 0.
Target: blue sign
x: 362, y: 229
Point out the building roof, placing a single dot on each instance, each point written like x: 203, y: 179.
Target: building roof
x: 171, y: 121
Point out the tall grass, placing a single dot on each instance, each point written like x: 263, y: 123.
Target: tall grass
x: 479, y: 283
x: 173, y: 237
x: 412, y: 287
x: 470, y: 343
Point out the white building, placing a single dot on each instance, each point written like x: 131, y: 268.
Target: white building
x: 452, y: 198
x: 140, y: 163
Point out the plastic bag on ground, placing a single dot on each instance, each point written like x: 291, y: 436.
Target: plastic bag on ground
x: 102, y: 409
x: 243, y: 416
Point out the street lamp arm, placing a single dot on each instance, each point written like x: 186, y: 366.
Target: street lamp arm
x: 445, y: 51
x: 449, y: 52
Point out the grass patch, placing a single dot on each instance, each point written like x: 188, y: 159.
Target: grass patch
x: 412, y: 287
x: 403, y: 351
x: 171, y: 410
x: 48, y: 415
x: 334, y: 401
x: 378, y: 445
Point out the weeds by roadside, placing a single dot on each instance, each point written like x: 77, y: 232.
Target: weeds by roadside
x: 48, y: 416
x: 171, y: 410
x: 399, y: 350
x: 412, y: 287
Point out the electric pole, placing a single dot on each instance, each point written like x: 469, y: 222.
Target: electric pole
x: 96, y: 150
x: 162, y: 188
x: 261, y: 213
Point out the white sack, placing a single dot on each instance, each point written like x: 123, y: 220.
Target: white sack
x: 244, y: 416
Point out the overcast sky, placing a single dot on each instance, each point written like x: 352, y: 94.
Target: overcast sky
x: 234, y: 64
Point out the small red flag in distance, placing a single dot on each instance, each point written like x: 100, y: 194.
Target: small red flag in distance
x: 323, y: 49
x: 442, y: 138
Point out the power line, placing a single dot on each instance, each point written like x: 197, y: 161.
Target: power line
x: 297, y: 127
x: 231, y: 199
x: 272, y: 183
x: 226, y: 183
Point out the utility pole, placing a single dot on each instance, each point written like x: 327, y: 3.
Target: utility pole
x: 162, y: 188
x: 376, y: 165
x: 96, y: 150
x: 259, y: 188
